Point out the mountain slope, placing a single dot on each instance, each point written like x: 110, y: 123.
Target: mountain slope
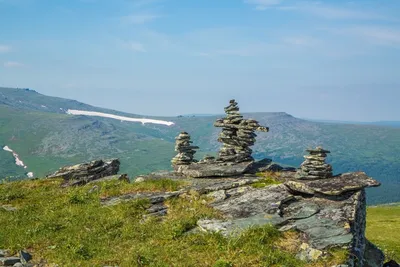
x: 48, y: 138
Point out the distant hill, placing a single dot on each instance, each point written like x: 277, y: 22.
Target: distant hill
x: 37, y: 128
x: 395, y: 124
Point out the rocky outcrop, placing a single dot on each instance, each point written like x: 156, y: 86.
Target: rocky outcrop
x: 326, y: 212
x: 185, y: 150
x: 81, y: 174
x: 315, y: 167
x: 237, y: 135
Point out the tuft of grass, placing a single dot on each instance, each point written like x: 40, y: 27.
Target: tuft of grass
x: 116, y: 188
x: 268, y: 178
x: 69, y: 227
x: 383, y: 229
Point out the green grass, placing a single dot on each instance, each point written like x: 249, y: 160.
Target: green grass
x: 268, y: 178
x: 383, y: 229
x: 69, y: 227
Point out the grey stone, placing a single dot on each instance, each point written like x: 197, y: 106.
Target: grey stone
x: 219, y: 195
x: 9, y: 261
x: 81, y: 174
x: 198, y: 170
x: 334, y: 186
x: 25, y: 256
x: 237, y: 135
x: 185, y: 150
x: 314, y: 167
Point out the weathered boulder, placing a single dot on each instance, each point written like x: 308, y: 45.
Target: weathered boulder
x: 334, y: 186
x: 81, y: 174
x: 199, y: 170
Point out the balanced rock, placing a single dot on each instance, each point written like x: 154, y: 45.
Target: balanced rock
x: 237, y: 135
x: 81, y: 174
x: 185, y: 150
x: 314, y: 166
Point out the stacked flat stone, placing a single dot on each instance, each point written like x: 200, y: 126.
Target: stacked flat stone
x: 237, y: 135
x: 185, y: 150
x: 314, y: 166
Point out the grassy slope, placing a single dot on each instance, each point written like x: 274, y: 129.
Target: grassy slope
x: 383, y: 229
x: 69, y: 227
x: 47, y: 141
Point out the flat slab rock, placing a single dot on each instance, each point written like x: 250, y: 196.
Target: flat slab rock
x: 199, y: 170
x: 333, y: 186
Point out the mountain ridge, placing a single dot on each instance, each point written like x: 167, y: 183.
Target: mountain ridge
x: 46, y: 141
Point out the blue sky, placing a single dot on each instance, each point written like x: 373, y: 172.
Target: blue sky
x: 314, y: 59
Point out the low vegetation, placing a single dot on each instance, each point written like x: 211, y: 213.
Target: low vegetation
x: 267, y: 178
x: 69, y: 227
x: 383, y: 229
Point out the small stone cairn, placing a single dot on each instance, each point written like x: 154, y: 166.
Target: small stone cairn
x: 315, y: 167
x: 237, y: 135
x: 185, y: 150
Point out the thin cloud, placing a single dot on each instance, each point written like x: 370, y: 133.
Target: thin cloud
x: 301, y: 41
x: 319, y: 9
x: 5, y: 48
x: 263, y: 4
x: 139, y: 18
x: 135, y: 46
x: 373, y: 34
x: 13, y: 64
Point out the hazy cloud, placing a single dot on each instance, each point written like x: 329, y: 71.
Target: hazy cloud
x: 373, y: 34
x: 13, y: 64
x: 138, y: 18
x: 301, y: 41
x: 135, y: 46
x: 4, y: 48
x: 263, y: 4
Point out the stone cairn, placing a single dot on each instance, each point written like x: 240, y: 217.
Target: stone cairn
x: 237, y: 135
x: 315, y: 167
x: 185, y: 150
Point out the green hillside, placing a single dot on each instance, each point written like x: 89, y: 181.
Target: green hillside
x: 47, y: 138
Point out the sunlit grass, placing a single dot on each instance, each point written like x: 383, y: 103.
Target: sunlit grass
x: 383, y: 229
x: 69, y: 227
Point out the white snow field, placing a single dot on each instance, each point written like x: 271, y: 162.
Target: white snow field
x: 18, y: 162
x: 121, y: 118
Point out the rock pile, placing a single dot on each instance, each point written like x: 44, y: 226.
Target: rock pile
x: 315, y: 167
x: 237, y: 135
x: 16, y: 261
x: 81, y: 174
x: 185, y: 150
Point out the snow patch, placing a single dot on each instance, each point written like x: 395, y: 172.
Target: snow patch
x: 30, y: 174
x: 6, y: 148
x: 43, y: 106
x: 121, y: 118
x: 18, y: 161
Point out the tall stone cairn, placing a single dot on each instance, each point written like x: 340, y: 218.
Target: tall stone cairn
x: 237, y: 135
x: 314, y: 166
x: 185, y: 150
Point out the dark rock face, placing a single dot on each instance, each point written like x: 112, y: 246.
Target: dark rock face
x: 237, y: 135
x: 314, y: 167
x: 185, y: 150
x: 81, y: 174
